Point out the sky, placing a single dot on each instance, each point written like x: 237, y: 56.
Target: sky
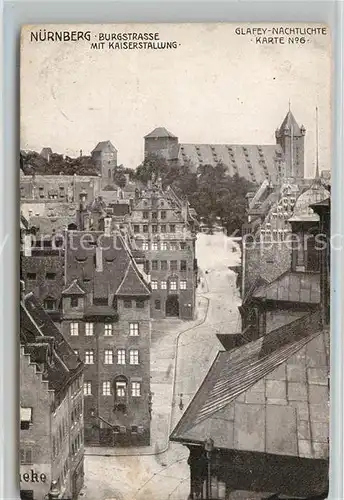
x: 215, y: 87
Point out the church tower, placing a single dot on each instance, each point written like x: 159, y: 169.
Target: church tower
x: 291, y: 138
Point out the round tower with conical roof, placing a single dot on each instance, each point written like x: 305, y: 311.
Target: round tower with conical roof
x: 291, y: 137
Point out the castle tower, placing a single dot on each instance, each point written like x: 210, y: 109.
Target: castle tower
x: 291, y: 137
x: 104, y: 156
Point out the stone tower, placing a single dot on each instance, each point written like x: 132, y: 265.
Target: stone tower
x: 104, y: 156
x: 291, y: 137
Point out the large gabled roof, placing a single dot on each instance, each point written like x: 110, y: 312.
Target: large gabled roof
x: 132, y: 283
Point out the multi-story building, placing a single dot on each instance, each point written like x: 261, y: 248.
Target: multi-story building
x: 51, y: 408
x: 161, y: 226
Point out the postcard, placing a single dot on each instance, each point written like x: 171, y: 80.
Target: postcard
x: 175, y: 200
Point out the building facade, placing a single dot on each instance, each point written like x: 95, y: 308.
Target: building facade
x: 160, y: 225
x: 51, y: 408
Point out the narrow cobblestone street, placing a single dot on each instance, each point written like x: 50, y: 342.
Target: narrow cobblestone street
x: 181, y: 355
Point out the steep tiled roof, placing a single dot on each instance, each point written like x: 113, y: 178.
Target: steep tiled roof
x: 159, y: 132
x: 254, y: 162
x: 132, y: 283
x: 103, y: 145
x: 270, y: 395
x: 74, y: 289
x: 292, y: 287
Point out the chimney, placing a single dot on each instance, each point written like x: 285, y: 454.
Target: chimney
x: 80, y: 153
x: 99, y: 259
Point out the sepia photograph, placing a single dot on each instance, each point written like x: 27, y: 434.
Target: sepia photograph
x: 175, y: 201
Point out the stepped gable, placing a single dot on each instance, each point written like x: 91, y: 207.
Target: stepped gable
x: 280, y: 378
x: 132, y: 283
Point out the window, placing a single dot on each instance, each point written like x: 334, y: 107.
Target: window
x: 164, y: 265
x: 145, y: 229
x: 172, y: 228
x: 88, y: 328
x: 134, y: 429
x: 163, y: 229
x: 147, y: 264
x: 100, y: 301
x: 31, y: 276
x: 163, y: 245
x: 106, y: 389
x: 145, y: 244
x: 121, y: 356
x: 183, y: 285
x: 134, y: 357
x: 136, y: 228
x: 74, y: 329
x: 140, y: 304
x: 173, y: 265
x: 136, y: 389
x: 74, y: 301
x: 145, y: 214
x: 163, y: 214
x: 154, y: 215
x: 76, y: 352
x: 158, y: 304
x: 108, y: 357
x: 121, y: 389
x: 127, y: 303
x: 89, y: 357
x: 154, y: 285
x: 108, y: 329
x: 154, y: 246
x: 154, y: 228
x: 183, y: 265
x: 133, y: 329
x: 163, y: 285
x: 154, y: 265
x: 173, y: 285
x: 182, y: 245
x: 50, y: 276
x: 173, y: 247
x: 50, y: 304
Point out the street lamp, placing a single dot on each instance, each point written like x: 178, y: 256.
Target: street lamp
x: 208, y: 447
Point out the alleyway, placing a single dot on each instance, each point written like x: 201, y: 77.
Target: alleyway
x: 181, y: 355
